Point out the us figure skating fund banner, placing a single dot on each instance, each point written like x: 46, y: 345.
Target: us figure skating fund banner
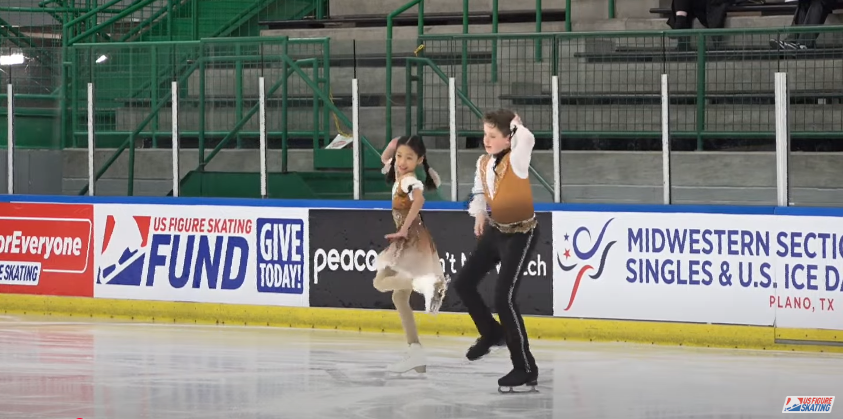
x: 716, y: 268
x: 211, y: 254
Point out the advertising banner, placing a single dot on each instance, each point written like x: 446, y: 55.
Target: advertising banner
x: 712, y: 268
x: 809, y: 271
x: 345, y: 244
x: 211, y: 254
x: 45, y: 249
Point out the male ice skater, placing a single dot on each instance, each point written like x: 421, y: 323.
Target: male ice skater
x: 508, y: 237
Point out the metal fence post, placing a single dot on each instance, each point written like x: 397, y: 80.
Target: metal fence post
x: 92, y: 180
x: 666, y: 185
x: 10, y: 142
x: 262, y: 118
x: 557, y: 164
x: 355, y: 129
x: 782, y: 139
x: 452, y: 124
x: 175, y: 126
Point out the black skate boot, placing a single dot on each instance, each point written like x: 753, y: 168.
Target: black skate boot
x: 483, y: 346
x: 519, y: 381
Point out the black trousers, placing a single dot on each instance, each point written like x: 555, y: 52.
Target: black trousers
x: 810, y: 12
x: 711, y: 13
x: 512, y: 251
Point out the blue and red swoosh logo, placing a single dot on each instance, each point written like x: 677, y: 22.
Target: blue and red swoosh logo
x: 584, y: 256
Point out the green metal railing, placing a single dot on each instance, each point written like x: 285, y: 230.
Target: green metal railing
x: 421, y: 64
x: 609, y: 82
x: 218, y: 81
x: 465, y: 30
x: 148, y: 20
x: 183, y: 20
x: 389, y: 29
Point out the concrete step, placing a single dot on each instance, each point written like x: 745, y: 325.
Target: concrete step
x: 118, y: 187
x: 733, y: 178
x: 631, y: 118
x: 221, y: 82
x: 597, y: 10
x: 223, y: 118
x: 373, y: 40
x: 580, y: 77
x: 744, y: 41
x: 157, y: 164
x: 655, y: 23
x: 613, y: 117
x: 356, y: 7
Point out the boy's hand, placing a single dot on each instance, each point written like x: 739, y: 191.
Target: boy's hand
x: 479, y: 224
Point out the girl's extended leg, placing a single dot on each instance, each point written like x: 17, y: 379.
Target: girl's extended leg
x: 401, y: 299
x: 389, y: 280
x: 416, y: 359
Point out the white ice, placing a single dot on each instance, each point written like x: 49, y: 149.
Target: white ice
x: 65, y: 369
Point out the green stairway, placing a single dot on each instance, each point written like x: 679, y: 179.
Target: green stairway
x: 153, y: 66
x: 197, y: 19
x: 301, y: 185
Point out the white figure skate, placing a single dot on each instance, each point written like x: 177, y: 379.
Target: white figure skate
x: 415, y: 360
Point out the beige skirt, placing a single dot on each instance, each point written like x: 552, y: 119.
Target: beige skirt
x: 415, y: 256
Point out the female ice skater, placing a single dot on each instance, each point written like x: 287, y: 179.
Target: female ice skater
x: 411, y: 262
x: 501, y: 182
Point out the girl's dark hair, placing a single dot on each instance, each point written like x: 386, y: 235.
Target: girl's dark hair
x: 415, y: 143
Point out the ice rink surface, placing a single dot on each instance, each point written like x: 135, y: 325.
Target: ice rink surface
x: 56, y: 368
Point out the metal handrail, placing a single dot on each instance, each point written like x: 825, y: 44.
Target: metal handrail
x: 389, y: 29
x: 126, y: 12
x: 473, y: 108
x: 137, y: 131
x: 294, y: 67
x: 628, y: 34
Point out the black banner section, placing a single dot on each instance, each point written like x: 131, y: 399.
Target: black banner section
x: 345, y: 243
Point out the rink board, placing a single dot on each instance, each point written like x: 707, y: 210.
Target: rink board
x: 445, y: 324
x: 740, y: 277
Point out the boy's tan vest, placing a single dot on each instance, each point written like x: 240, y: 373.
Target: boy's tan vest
x: 513, y: 200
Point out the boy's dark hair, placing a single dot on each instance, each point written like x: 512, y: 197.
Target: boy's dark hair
x: 417, y: 145
x: 500, y: 119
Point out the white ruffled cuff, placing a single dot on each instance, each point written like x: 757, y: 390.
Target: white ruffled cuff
x: 386, y: 166
x: 477, y: 206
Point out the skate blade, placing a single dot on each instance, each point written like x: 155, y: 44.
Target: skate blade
x: 527, y: 388
x: 421, y: 369
x: 493, y: 350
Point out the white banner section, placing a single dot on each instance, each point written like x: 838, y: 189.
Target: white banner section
x: 211, y: 254
x: 708, y: 268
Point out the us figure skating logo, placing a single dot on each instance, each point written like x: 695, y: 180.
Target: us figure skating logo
x: 124, y: 248
x: 585, y: 251
x: 812, y: 404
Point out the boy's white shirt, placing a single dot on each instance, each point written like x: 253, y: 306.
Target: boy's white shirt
x: 522, y: 150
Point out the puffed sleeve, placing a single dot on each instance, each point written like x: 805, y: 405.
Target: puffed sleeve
x: 409, y: 183
x: 477, y: 206
x: 522, y: 148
